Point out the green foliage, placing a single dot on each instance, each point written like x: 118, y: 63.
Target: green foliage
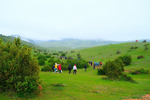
x: 41, y: 62
x: 63, y: 54
x: 118, y: 52
x: 55, y: 53
x: 19, y: 71
x: 113, y: 69
x: 43, y: 57
x: 124, y: 77
x: 72, y: 51
x: 47, y: 68
x: 79, y: 63
x: 140, y: 57
x: 140, y: 71
x: 79, y: 56
x: 60, y: 52
x: 126, y: 59
x: 100, y: 71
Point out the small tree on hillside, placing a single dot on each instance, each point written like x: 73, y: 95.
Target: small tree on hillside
x: 19, y: 71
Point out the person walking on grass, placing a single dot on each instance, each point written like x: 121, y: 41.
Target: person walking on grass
x: 55, y: 67
x: 85, y: 67
x: 69, y: 68
x: 74, y: 69
x: 94, y: 66
x: 59, y: 68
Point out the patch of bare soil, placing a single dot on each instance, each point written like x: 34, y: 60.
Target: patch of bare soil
x: 146, y: 97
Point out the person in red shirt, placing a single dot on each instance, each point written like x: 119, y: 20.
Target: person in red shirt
x: 59, y: 68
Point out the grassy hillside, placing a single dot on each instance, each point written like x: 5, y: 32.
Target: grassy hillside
x: 109, y: 52
x: 90, y: 86
x: 11, y: 40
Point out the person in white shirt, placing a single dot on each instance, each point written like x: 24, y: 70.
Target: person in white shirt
x: 74, y: 69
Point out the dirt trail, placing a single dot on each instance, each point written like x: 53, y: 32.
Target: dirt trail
x: 146, y: 97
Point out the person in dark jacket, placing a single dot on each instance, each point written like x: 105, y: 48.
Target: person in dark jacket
x: 85, y: 67
x: 94, y: 66
x: 69, y: 68
x: 53, y: 68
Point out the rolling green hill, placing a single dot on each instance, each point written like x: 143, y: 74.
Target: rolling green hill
x: 11, y: 40
x: 109, y: 52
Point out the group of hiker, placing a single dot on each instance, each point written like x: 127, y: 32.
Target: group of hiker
x: 57, y: 68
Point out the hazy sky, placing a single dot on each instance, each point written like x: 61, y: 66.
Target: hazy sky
x: 83, y: 19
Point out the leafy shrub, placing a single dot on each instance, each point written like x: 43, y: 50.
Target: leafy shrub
x: 118, y: 52
x: 48, y: 56
x: 124, y: 77
x: 47, y: 68
x: 144, y: 41
x: 72, y: 51
x: 100, y: 71
x: 43, y: 57
x: 113, y: 69
x: 63, y: 54
x: 19, y: 71
x: 55, y: 53
x: 140, y: 57
x: 41, y: 62
x: 146, y: 48
x: 126, y: 59
x: 140, y: 71
x: 132, y: 47
x: 45, y: 53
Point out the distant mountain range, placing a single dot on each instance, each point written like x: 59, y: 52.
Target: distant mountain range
x: 72, y: 43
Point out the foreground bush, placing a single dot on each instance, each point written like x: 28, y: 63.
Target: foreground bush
x: 19, y: 71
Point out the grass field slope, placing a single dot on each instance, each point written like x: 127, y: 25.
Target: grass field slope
x: 109, y: 52
x: 87, y: 85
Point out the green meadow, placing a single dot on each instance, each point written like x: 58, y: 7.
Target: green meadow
x: 87, y: 85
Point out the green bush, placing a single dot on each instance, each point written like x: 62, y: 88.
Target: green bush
x: 140, y: 71
x: 113, y: 69
x: 124, y: 77
x: 126, y: 59
x: 43, y: 57
x: 47, y: 68
x: 79, y: 63
x: 41, y: 62
x: 19, y: 71
x: 100, y: 71
x: 63, y: 54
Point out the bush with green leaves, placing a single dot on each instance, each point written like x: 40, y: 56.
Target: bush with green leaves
x: 43, y: 57
x: 100, y: 71
x: 63, y: 54
x: 124, y: 77
x: 41, y: 62
x: 113, y: 69
x: 19, y: 70
x: 126, y: 59
x: 140, y: 71
x: 47, y: 68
